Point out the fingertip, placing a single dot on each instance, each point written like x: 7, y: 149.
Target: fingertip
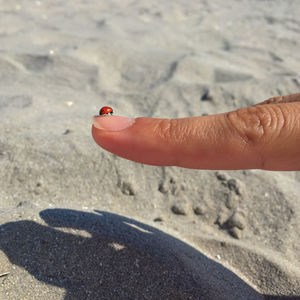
x: 112, y: 123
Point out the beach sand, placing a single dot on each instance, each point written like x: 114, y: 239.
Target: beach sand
x: 77, y: 222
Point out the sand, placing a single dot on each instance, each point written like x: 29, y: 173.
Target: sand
x: 77, y: 222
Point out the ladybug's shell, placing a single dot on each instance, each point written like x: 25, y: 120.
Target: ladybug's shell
x: 105, y: 110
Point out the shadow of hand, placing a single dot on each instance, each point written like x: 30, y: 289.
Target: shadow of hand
x: 107, y: 256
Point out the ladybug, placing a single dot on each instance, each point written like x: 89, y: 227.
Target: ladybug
x: 105, y: 110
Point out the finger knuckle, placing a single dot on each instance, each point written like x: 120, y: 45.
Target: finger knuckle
x: 257, y: 125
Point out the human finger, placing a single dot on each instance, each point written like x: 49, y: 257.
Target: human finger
x: 282, y: 99
x: 256, y: 137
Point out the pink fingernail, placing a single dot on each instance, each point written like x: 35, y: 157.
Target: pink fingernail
x: 112, y: 123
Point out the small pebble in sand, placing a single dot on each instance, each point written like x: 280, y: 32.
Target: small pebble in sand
x: 172, y: 180
x: 198, y: 210
x: 67, y: 131
x: 128, y: 189
x: 234, y: 225
x: 158, y: 219
x: 206, y: 96
x: 22, y: 203
x: 163, y: 188
x: 179, y: 209
x: 236, y: 220
x: 170, y: 185
x: 234, y: 185
x: 221, y: 176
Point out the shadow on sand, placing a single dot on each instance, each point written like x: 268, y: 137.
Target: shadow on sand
x: 115, y: 257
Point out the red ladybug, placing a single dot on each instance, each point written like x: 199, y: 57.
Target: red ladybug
x: 105, y: 110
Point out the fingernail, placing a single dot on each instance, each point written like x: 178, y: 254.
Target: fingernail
x: 112, y: 123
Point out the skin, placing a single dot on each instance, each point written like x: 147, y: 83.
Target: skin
x: 264, y: 136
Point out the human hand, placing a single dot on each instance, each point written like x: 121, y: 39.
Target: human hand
x: 265, y: 136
